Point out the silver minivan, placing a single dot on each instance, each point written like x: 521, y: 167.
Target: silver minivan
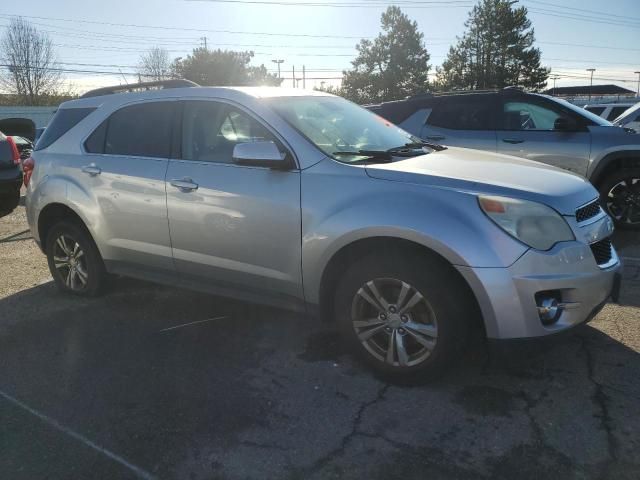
x: 306, y: 201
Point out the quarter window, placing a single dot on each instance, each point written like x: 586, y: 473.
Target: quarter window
x: 63, y: 121
x: 211, y: 130
x: 142, y: 130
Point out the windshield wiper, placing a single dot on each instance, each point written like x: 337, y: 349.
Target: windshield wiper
x: 414, y: 145
x: 383, y: 155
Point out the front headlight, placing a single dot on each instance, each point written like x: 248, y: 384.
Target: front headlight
x: 532, y: 223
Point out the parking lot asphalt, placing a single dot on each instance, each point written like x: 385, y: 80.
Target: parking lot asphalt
x: 109, y: 388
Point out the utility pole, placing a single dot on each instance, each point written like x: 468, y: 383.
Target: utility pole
x: 204, y: 42
x: 638, y: 90
x: 554, y: 78
x: 591, y: 83
x: 294, y: 76
x: 304, y: 77
x: 278, y: 62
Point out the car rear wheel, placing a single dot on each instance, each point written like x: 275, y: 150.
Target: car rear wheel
x: 74, y: 260
x: 620, y: 197
x: 407, y: 317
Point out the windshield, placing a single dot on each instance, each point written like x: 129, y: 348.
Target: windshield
x: 336, y: 125
x: 626, y: 114
x: 582, y: 112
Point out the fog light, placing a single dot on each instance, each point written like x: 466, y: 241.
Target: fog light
x: 548, y: 310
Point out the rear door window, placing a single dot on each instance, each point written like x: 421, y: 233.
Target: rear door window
x: 63, y: 121
x: 141, y: 130
x: 464, y: 112
x: 596, y: 110
x: 616, y: 112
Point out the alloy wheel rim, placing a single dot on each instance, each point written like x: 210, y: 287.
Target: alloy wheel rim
x: 623, y: 201
x: 70, y: 263
x: 394, y: 322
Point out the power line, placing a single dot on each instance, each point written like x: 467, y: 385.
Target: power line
x: 582, y: 18
x: 183, y: 29
x: 405, y: 4
x: 555, y: 5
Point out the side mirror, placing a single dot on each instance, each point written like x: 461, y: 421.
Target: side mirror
x: 563, y: 124
x: 259, y: 154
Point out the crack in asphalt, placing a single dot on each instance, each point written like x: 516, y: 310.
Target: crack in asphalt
x: 600, y: 399
x: 336, y: 452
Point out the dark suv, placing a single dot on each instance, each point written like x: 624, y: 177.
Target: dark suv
x: 10, y: 175
x: 535, y: 127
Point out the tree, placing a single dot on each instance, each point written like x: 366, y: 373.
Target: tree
x: 222, y: 68
x: 495, y: 51
x: 31, y: 72
x: 392, y: 66
x: 155, y: 64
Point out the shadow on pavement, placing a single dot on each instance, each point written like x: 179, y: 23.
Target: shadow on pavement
x: 263, y: 393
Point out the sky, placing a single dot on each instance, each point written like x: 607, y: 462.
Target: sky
x: 100, y: 36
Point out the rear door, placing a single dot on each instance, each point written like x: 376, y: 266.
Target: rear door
x: 528, y: 130
x: 124, y: 169
x: 233, y: 226
x: 463, y: 121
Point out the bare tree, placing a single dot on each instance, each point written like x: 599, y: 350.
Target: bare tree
x: 29, y: 63
x: 155, y: 64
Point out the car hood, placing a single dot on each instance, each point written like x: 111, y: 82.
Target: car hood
x: 476, y: 171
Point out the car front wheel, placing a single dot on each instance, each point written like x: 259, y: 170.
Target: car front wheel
x: 407, y: 317
x: 620, y: 197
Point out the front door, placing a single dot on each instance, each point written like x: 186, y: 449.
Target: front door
x: 233, y: 226
x: 528, y: 130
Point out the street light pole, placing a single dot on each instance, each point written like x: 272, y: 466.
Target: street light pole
x: 591, y: 83
x: 638, y: 90
x: 278, y: 62
x: 554, y: 78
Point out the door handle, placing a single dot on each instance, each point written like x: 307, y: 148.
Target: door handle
x: 435, y: 137
x: 184, y: 184
x: 92, y: 170
x: 513, y: 141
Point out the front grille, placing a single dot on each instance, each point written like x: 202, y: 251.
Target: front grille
x: 602, y: 251
x: 590, y: 210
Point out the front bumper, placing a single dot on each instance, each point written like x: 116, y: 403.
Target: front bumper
x: 507, y: 295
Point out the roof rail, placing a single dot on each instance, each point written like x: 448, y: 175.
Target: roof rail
x: 132, y: 87
x: 419, y: 95
x: 512, y: 88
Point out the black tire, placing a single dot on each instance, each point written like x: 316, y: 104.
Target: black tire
x: 444, y: 292
x: 620, y: 197
x: 89, y: 259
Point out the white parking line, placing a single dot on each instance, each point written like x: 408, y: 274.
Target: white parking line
x: 192, y: 323
x: 55, y: 424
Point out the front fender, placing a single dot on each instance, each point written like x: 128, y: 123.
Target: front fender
x: 359, y: 207
x: 600, y: 163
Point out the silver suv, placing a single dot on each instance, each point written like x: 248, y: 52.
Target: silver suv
x: 306, y: 201
x: 535, y: 127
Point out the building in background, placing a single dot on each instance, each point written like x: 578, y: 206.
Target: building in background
x: 581, y: 95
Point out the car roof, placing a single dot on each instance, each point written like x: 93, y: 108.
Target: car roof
x: 232, y: 93
x: 619, y: 104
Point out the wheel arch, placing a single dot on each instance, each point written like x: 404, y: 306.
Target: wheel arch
x: 614, y: 161
x: 351, y: 252
x: 54, y: 213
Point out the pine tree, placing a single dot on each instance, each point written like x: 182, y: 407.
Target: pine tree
x: 392, y: 66
x: 495, y: 51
